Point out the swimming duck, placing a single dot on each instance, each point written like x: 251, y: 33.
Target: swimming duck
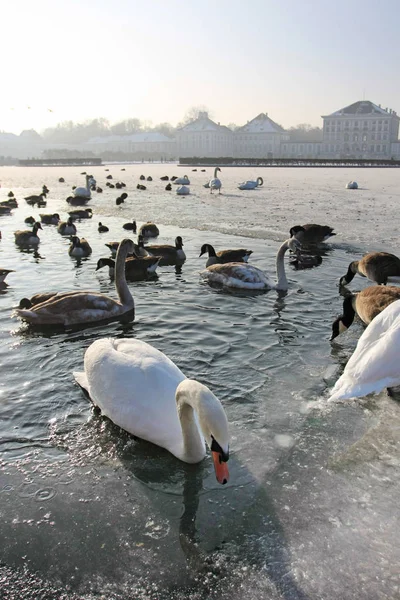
x: 224, y: 256
x: 130, y: 226
x: 81, y: 213
x: 82, y: 307
x: 102, y: 228
x: 245, y: 276
x: 28, y: 237
x: 374, y: 364
x: 30, y: 220
x: 67, y: 227
x: 53, y: 219
x: 140, y: 389
x: 367, y: 304
x: 380, y: 267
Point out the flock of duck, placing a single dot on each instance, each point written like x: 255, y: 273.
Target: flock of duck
x: 142, y: 390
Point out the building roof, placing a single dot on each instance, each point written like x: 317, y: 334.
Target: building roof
x: 362, y: 107
x: 261, y: 124
x: 204, y: 123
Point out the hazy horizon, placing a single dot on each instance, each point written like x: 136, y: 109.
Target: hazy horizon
x: 155, y: 60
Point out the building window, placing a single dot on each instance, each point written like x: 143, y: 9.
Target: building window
x: 378, y: 148
x: 384, y: 148
x: 355, y: 138
x: 364, y: 138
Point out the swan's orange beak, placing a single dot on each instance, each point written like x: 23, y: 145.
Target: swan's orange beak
x: 221, y: 468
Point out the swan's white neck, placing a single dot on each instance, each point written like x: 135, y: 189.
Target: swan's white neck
x: 215, y: 172
x: 282, y: 283
x: 124, y: 294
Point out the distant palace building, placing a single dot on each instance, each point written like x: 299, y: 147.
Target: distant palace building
x: 203, y: 137
x: 259, y: 138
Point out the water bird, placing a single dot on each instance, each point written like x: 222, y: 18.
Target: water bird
x: 251, y: 185
x: 245, y: 276
x: 215, y: 183
x: 136, y: 268
x: 30, y: 220
x: 4, y: 273
x: 380, y: 267
x: 183, y: 190
x: 130, y: 226
x: 149, y: 229
x: 149, y: 178
x: 140, y: 389
x: 141, y: 187
x: 174, y: 178
x: 181, y: 180
x: 28, y: 237
x: 119, y: 201
x: 367, y: 304
x: 81, y: 213
x: 5, y: 210
x: 109, y: 177
x: 142, y: 178
x: 374, y: 364
x: 301, y: 260
x: 168, y: 254
x: 352, y: 185
x: 10, y: 194
x: 67, y: 227
x: 82, y: 307
x: 311, y: 233
x: 35, y: 199
x: 53, y: 219
x: 99, y: 190
x: 168, y: 187
x: 164, y: 178
x: 83, y: 193
x: 224, y: 256
x: 11, y: 203
x: 79, y: 247
x: 102, y: 228
x: 61, y: 180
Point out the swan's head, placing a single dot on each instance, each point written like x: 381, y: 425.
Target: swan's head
x: 212, y: 420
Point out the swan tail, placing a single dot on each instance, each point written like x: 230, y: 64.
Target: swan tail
x: 81, y: 379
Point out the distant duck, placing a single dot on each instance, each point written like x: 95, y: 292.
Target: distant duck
x: 83, y: 193
x: 380, y: 267
x: 4, y: 273
x: 67, y: 227
x: 367, y: 304
x: 28, y: 237
x: 35, y: 199
x: 141, y: 187
x: 111, y: 186
x: 194, y: 170
x: 118, y: 185
x: 203, y: 170
x: 30, y: 220
x: 174, y: 178
x: 81, y: 213
x: 124, y: 196
x: 149, y: 229
x: 10, y: 194
x: 245, y: 276
x: 109, y: 177
x: 119, y: 201
x: 352, y: 185
x: 82, y: 307
x: 61, y: 180
x: 182, y: 190
x: 164, y: 178
x: 11, y: 202
x: 142, y: 178
x: 168, y: 187
x: 102, y: 228
x: 149, y: 178
x: 136, y: 269
x: 311, y: 233
x: 168, y: 255
x: 224, y: 256
x: 79, y: 248
x: 130, y: 226
x: 5, y: 210
x: 99, y: 190
x: 251, y: 185
x: 215, y: 183
x: 181, y: 180
x: 53, y: 219
x: 374, y: 364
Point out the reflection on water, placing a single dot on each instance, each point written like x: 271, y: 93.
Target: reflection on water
x: 86, y: 505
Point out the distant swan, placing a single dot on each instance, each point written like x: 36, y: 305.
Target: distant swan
x: 352, y: 185
x: 83, y: 192
x: 140, y: 389
x: 183, y: 190
x: 182, y: 180
x: 251, y: 185
x: 245, y: 276
x: 374, y: 364
x: 215, y: 183
x: 81, y: 307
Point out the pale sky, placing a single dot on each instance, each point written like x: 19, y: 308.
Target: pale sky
x: 155, y: 59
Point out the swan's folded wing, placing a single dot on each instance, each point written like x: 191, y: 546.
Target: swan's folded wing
x: 82, y: 380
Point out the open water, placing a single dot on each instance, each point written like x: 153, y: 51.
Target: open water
x: 311, y: 507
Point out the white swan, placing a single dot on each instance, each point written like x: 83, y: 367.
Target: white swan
x: 245, y: 276
x: 182, y: 180
x: 215, y: 183
x: 81, y: 307
x: 352, y: 185
x: 143, y: 391
x: 374, y: 364
x: 251, y: 185
x: 182, y: 190
x: 83, y: 192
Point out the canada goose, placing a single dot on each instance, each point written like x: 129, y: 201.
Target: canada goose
x: 45, y: 189
x: 245, y: 276
x: 119, y: 201
x: 53, y: 219
x: 310, y: 233
x: 136, y: 269
x: 380, y: 267
x: 102, y: 228
x: 79, y: 247
x: 109, y: 177
x: 130, y: 226
x: 149, y: 229
x: 164, y: 178
x: 4, y: 273
x: 67, y: 227
x: 374, y: 364
x: 83, y: 308
x: 141, y: 390
x: 224, y: 256
x: 118, y: 185
x: 149, y: 178
x: 141, y: 187
x: 367, y: 304
x: 28, y: 237
x: 10, y: 194
x: 30, y: 220
x: 5, y: 210
x: 169, y: 255
x: 168, y: 187
x: 35, y: 199
x: 11, y: 202
x: 99, y: 190
x: 81, y: 213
